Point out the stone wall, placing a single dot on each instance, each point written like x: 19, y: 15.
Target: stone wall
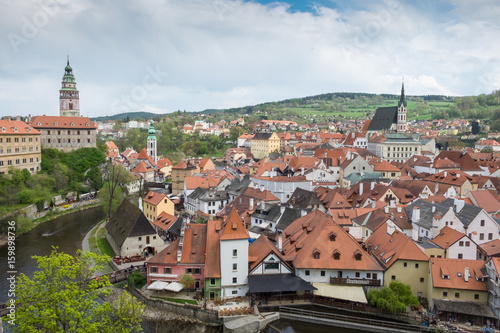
x: 210, y: 317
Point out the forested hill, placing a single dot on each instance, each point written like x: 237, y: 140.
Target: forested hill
x: 127, y: 116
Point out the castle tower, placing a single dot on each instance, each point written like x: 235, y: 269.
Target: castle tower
x: 152, y: 142
x: 402, y: 126
x: 69, y: 97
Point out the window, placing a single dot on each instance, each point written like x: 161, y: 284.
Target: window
x: 235, y: 280
x: 393, y: 278
x: 167, y: 270
x: 405, y: 264
x: 490, y: 236
x: 482, y: 223
x: 212, y: 282
x: 316, y: 255
x: 307, y: 272
x: 271, y: 265
x: 235, y: 253
x: 416, y: 265
x: 189, y: 270
x: 461, y: 243
x: 445, y: 294
x: 357, y: 274
x: 467, y: 243
x: 197, y: 270
x: 460, y: 256
x: 476, y: 296
x: 235, y: 267
x: 457, y: 295
x: 140, y: 238
x: 358, y: 256
x: 374, y: 276
x: 154, y: 269
x: 421, y: 280
x: 481, y: 236
x: 368, y: 275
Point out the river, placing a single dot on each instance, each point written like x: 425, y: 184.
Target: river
x: 66, y: 232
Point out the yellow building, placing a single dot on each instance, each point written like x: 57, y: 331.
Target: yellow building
x: 19, y: 146
x: 183, y: 169
x: 263, y: 144
x: 401, y: 258
x: 155, y: 203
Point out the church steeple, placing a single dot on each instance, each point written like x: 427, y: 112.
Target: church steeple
x: 402, y: 126
x: 69, y: 97
x: 151, y: 142
x: 402, y: 99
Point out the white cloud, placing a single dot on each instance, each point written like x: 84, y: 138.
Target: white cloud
x: 226, y: 53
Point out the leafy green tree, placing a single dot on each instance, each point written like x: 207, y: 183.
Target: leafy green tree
x: 63, y: 296
x: 475, y: 127
x: 488, y: 149
x: 393, y: 298
x: 187, y: 280
x: 116, y: 176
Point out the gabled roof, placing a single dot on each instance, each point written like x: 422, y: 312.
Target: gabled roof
x: 168, y: 223
x: 234, y: 228
x: 142, y: 167
x: 212, y: 262
x: 109, y: 144
x: 267, y: 212
x: 492, y: 248
x: 314, y: 239
x: 263, y: 195
x: 388, y: 248
x: 16, y: 127
x: 161, y: 163
x: 447, y: 237
x: 194, y: 243
x: 287, y: 218
x: 128, y: 221
x: 261, y: 249
x: 262, y: 136
x: 455, y: 269
x: 303, y: 199
x: 462, y: 158
x: 485, y: 200
x: 154, y: 198
x: 384, y: 118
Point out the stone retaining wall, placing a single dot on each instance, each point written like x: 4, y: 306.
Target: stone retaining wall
x: 206, y: 316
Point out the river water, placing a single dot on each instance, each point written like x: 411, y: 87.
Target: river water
x: 66, y: 232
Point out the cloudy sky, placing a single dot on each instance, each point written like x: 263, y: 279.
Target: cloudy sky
x: 165, y: 55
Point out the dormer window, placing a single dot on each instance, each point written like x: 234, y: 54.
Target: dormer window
x: 72, y: 124
x: 55, y: 123
x: 39, y: 124
x: 87, y: 124
x: 316, y: 253
x: 336, y: 254
x: 332, y: 236
x: 358, y: 255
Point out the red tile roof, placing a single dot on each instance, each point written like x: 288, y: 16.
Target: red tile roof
x: 154, y: 198
x: 262, y: 248
x: 62, y: 122
x: 455, y: 269
x: 212, y: 261
x: 16, y: 127
x: 447, y: 237
x: 164, y: 221
x: 234, y: 228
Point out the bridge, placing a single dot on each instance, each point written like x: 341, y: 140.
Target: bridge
x: 337, y: 320
x: 114, y: 277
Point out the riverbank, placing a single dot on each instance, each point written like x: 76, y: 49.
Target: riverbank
x: 49, y: 216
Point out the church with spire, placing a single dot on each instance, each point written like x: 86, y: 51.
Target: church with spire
x: 69, y: 97
x: 391, y: 119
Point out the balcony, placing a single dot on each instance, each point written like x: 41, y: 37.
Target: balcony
x: 354, y: 282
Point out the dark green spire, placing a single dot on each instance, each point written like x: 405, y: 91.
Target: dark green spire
x: 402, y: 99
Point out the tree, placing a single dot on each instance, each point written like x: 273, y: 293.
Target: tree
x: 115, y: 176
x: 394, y: 298
x: 487, y: 149
x: 187, y: 280
x: 475, y: 127
x: 64, y: 296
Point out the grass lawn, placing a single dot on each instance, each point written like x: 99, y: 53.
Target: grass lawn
x: 178, y: 300
x: 103, y: 243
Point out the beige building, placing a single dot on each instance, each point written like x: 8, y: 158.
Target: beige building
x: 263, y: 144
x: 19, y: 146
x: 394, y: 147
x: 180, y: 171
x: 65, y: 133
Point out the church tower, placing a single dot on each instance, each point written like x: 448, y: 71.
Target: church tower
x: 152, y: 142
x: 69, y: 97
x: 402, y: 126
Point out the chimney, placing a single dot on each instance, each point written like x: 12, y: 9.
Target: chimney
x: 433, y: 208
x: 466, y: 274
x: 369, y: 249
x: 445, y: 173
x: 372, y: 186
x: 251, y: 203
x: 374, y: 204
x: 436, y: 188
x: 262, y: 188
x: 399, y: 210
x: 386, y: 209
x: 302, y: 171
x: 282, y: 208
x: 280, y: 242
x: 360, y: 188
x: 416, y: 214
